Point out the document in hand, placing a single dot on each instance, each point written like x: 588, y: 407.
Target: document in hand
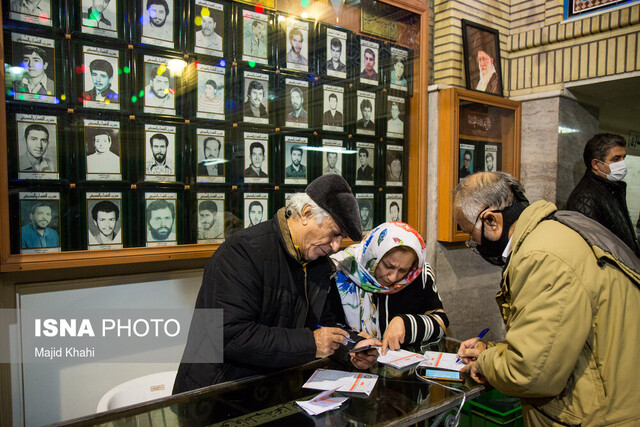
x: 321, y: 403
x: 400, y: 358
x: 434, y: 359
x: 331, y: 379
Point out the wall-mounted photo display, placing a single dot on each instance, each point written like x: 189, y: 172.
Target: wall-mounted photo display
x: 369, y: 62
x: 395, y: 117
x: 158, y: 23
x: 297, y: 103
x: 208, y: 25
x: 99, y: 18
x: 366, y: 101
x: 255, y: 34
x: 467, y: 159
x: 255, y: 104
x: 400, y: 72
x: 492, y: 159
x: 160, y: 153
x: 34, y: 74
x: 256, y: 208
x: 42, y: 12
x: 336, y: 53
x: 161, y: 219
x: 295, y: 159
x: 256, y: 157
x: 210, y: 156
x: 366, y: 207
x: 365, y: 163
x: 210, y: 217
x: 103, y: 150
x: 104, y: 220
x: 393, y: 207
x: 394, y: 163
x: 101, y: 78
x: 332, y: 150
x: 37, y: 138
x: 40, y: 226
x: 297, y: 42
x: 211, y: 92
x: 160, y: 84
x: 333, y: 108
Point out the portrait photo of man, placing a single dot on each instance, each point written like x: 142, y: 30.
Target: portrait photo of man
x: 296, y: 42
x: 482, y: 58
x: 255, y: 38
x: 254, y: 106
x: 297, y: 112
x: 207, y: 37
x: 369, y: 66
x: 331, y: 162
x: 36, y: 63
x: 394, y: 212
x: 257, y: 156
x: 32, y: 11
x: 366, y: 213
x: 98, y: 14
x: 209, y: 99
x: 209, y: 222
x: 37, y: 148
x: 104, y: 227
x: 394, y: 166
x: 40, y: 229
x: 333, y: 117
x: 157, y: 22
x: 335, y: 58
x: 364, y: 171
x: 255, y: 213
x: 296, y: 169
x: 101, y: 148
x: 466, y: 168
x: 211, y: 165
x: 159, y: 162
x: 398, y: 71
x: 101, y: 72
x: 161, y: 216
x: 365, y: 122
x: 489, y: 162
x: 395, y: 125
x: 159, y: 91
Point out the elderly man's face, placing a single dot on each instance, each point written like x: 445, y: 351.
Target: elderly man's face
x: 159, y: 150
x: 160, y: 86
x: 296, y: 100
x: 41, y: 217
x: 34, y: 64
x: 255, y: 214
x: 106, y: 222
x: 369, y: 62
x: 257, y: 157
x: 366, y: 114
x: 320, y: 239
x: 157, y: 14
x: 208, y: 25
x: 207, y: 219
x: 484, y: 61
x: 161, y: 223
x: 101, y: 80
x: 255, y: 97
x: 332, y: 159
x: 37, y: 143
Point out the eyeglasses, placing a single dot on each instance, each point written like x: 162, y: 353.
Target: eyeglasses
x: 470, y: 243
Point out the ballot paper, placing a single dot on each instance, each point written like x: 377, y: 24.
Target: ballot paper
x: 331, y: 379
x: 322, y: 403
x: 447, y: 361
x: 400, y: 358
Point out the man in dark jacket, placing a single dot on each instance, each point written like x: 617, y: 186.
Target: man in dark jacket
x: 601, y: 193
x: 275, y: 293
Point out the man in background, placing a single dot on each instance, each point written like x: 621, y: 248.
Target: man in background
x: 159, y: 144
x: 297, y: 114
x: 207, y: 38
x: 36, y: 138
x: 37, y: 234
x: 256, y: 150
x: 332, y: 163
x: 210, y: 166
x: 465, y: 170
x: 161, y: 216
x: 209, y: 224
x: 157, y: 12
x: 296, y: 38
x: 158, y: 91
x: 365, y: 171
x: 103, y: 160
x: 369, y: 72
x: 101, y: 75
x: 366, y: 109
x: 256, y: 212
x: 333, y: 117
x: 296, y: 169
x: 105, y: 215
x: 253, y: 106
x: 334, y: 63
x: 35, y: 63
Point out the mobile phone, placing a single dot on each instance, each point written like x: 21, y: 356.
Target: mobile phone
x: 364, y: 348
x: 439, y: 374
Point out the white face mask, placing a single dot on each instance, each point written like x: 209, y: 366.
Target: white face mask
x: 618, y: 170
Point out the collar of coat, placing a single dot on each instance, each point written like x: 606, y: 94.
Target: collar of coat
x: 293, y: 250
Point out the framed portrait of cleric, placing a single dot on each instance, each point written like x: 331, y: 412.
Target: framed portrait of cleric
x: 40, y: 224
x: 256, y: 208
x: 103, y: 18
x: 257, y: 90
x: 296, y: 164
x: 210, y: 158
x: 160, y: 153
x: 103, y: 150
x: 105, y: 218
x: 368, y: 61
x: 37, y: 153
x: 161, y: 219
x: 334, y: 51
x: 398, y: 63
x: 160, y: 80
x: 211, y: 92
x: 158, y: 23
x: 492, y: 157
x: 481, y: 46
x: 256, y: 157
x: 394, y: 162
x: 35, y: 75
x: 467, y: 156
x: 256, y: 32
x: 295, y: 41
x: 393, y: 207
x: 208, y: 24
x: 366, y: 206
x: 366, y: 115
x: 395, y: 120
x: 365, y: 163
x: 210, y: 217
x: 43, y: 12
x: 102, y: 71
x: 333, y: 108
x: 296, y: 103
x: 332, y: 150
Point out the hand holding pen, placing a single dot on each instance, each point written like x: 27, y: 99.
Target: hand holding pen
x: 328, y: 340
x: 470, y: 350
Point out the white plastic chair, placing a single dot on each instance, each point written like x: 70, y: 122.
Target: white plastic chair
x: 137, y: 390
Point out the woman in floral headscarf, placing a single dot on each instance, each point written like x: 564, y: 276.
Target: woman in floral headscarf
x: 387, y: 288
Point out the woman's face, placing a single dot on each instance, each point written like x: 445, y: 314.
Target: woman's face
x: 394, y: 266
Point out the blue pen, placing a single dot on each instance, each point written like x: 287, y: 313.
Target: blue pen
x: 347, y: 338
x: 480, y: 335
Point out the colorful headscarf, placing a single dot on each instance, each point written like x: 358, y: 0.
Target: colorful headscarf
x: 356, y: 266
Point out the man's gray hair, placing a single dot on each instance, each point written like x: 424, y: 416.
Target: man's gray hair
x: 485, y: 190
x: 298, y: 202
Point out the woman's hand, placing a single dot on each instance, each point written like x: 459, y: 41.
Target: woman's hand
x: 394, y: 335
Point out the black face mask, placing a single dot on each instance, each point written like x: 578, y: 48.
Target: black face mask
x: 491, y: 250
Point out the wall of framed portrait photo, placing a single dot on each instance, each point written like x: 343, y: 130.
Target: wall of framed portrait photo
x: 131, y: 126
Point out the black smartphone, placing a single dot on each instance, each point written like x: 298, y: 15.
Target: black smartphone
x: 363, y: 348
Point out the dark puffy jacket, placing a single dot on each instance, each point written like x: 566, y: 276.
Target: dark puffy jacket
x: 271, y: 304
x: 605, y: 202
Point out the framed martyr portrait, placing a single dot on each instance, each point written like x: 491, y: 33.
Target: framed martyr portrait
x: 102, y: 18
x: 393, y: 207
x: 162, y: 86
x: 369, y: 60
x: 207, y: 29
x: 105, y: 218
x: 256, y: 208
x: 211, y: 89
x: 399, y: 65
x: 333, y: 108
x: 101, y: 78
x: 366, y: 113
x: 482, y: 65
x: 210, y: 155
x: 103, y: 150
x: 256, y: 32
x: 160, y: 153
x: 37, y: 146
x: 161, y: 219
x: 332, y: 150
x: 296, y: 164
x: 296, y: 101
x: 157, y: 23
x: 43, y: 12
x: 210, y: 221
x: 256, y: 157
x: 295, y: 46
x: 255, y: 97
x: 40, y: 224
x: 336, y: 43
